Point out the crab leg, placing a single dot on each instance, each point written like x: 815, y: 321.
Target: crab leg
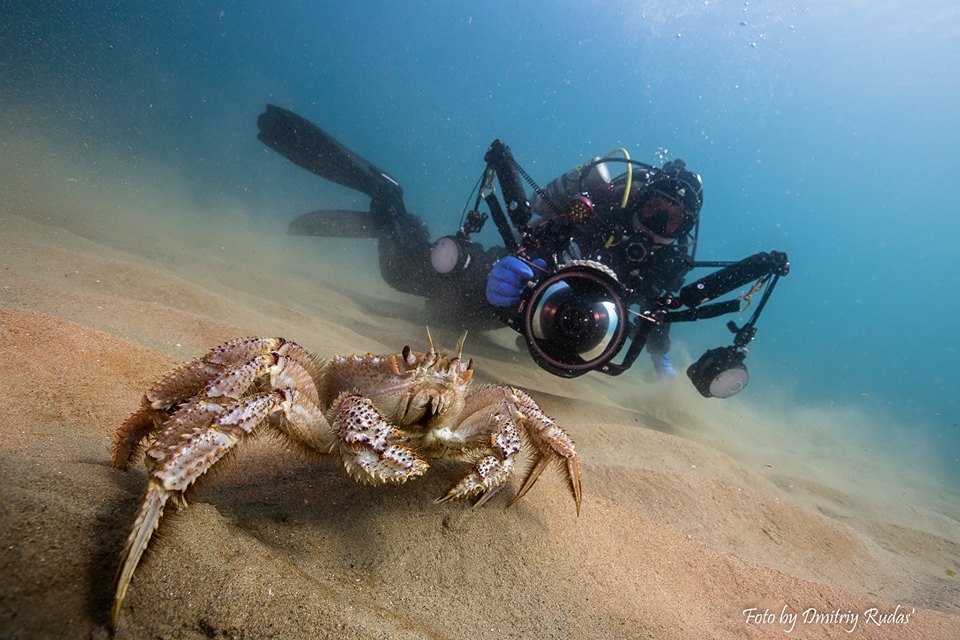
x: 186, y: 382
x: 126, y: 441
x: 551, y: 441
x: 489, y: 419
x: 509, y: 410
x: 195, y: 438
x: 143, y: 527
x: 491, y: 473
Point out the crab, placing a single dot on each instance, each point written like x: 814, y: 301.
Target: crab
x: 382, y: 416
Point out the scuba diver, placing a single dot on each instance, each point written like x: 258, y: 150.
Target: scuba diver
x: 600, y: 267
x: 642, y: 226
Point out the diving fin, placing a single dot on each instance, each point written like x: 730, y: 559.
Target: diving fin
x: 336, y: 223
x: 308, y: 146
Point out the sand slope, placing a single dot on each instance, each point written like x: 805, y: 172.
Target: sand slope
x: 677, y: 536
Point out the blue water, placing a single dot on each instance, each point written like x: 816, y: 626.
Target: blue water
x: 824, y: 129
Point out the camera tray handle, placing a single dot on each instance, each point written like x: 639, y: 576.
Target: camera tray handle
x: 501, y: 159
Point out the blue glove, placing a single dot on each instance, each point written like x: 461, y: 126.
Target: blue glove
x: 507, y: 280
x: 661, y: 362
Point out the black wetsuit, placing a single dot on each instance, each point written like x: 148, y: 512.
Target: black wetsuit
x: 454, y: 299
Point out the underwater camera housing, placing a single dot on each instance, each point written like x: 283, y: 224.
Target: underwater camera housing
x: 574, y: 320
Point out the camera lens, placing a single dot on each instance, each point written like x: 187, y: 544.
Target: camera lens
x: 575, y: 321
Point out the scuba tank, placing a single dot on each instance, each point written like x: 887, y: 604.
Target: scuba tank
x: 550, y: 201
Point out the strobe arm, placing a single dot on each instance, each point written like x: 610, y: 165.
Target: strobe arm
x: 733, y: 276
x: 721, y: 372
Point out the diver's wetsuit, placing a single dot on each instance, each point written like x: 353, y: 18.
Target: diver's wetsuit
x: 453, y: 299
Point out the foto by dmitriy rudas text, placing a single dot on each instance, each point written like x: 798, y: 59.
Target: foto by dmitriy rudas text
x: 849, y: 620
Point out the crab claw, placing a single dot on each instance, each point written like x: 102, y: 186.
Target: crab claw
x: 369, y: 445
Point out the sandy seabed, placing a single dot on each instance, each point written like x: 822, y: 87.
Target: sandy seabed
x: 700, y: 519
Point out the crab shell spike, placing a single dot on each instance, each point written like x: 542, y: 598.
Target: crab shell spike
x: 432, y: 351
x: 463, y: 339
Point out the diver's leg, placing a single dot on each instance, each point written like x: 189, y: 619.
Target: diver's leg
x: 658, y: 340
x: 404, y: 247
x: 454, y: 299
x: 658, y: 346
x: 458, y: 299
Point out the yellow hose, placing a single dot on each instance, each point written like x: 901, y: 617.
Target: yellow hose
x: 626, y: 189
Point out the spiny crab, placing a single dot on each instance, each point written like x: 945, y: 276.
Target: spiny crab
x: 382, y: 416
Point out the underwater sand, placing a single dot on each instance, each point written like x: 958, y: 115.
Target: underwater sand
x: 694, y: 511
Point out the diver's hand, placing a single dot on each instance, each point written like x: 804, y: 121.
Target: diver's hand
x: 507, y: 279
